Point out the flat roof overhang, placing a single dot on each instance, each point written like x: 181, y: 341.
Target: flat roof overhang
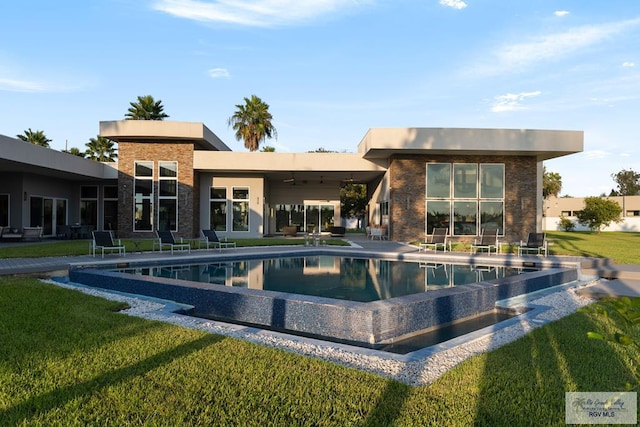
x: 162, y: 131
x: 381, y: 143
x: 345, y: 167
x: 23, y: 157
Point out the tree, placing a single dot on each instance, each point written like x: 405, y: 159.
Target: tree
x: 75, y: 151
x: 551, y: 184
x: 35, y: 137
x: 628, y: 182
x: 353, y: 201
x: 252, y: 122
x: 101, y: 149
x: 599, y: 212
x: 268, y: 149
x: 146, y: 108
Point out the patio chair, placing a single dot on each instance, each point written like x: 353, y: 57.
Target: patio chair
x: 210, y: 238
x: 103, y: 240
x: 437, y: 238
x: 488, y: 240
x: 536, y: 242
x: 166, y: 239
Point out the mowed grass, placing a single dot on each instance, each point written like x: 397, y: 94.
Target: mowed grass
x: 71, y: 359
x: 82, y: 247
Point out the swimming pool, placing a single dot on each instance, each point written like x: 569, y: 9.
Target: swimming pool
x: 330, y: 276
x: 372, y: 323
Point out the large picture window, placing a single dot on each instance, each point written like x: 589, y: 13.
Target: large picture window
x: 464, y: 197
x: 143, y: 196
x: 110, y: 208
x: 89, y: 206
x: 168, y: 196
x: 240, y: 204
x: 218, y: 208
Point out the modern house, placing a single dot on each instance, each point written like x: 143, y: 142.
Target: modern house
x: 181, y: 177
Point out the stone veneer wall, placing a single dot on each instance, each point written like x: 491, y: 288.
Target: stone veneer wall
x: 407, y: 200
x: 182, y: 152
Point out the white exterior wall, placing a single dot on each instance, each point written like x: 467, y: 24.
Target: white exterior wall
x: 631, y: 224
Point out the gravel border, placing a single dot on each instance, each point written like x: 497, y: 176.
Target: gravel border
x: 422, y: 371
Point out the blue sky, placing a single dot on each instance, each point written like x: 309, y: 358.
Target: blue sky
x: 331, y: 69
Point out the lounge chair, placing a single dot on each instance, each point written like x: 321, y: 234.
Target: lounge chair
x: 166, y: 239
x: 488, y: 240
x: 103, y: 240
x: 210, y: 238
x: 438, y: 238
x: 536, y: 242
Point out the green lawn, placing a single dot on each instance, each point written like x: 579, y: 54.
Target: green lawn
x: 71, y: 359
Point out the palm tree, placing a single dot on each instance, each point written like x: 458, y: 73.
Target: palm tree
x: 146, y: 109
x: 252, y: 122
x: 35, y: 137
x: 75, y: 151
x: 101, y: 149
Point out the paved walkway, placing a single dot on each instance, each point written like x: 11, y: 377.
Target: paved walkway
x: 623, y: 280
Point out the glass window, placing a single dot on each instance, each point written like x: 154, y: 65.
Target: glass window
x: 492, y: 181
x: 167, y: 214
x: 143, y: 197
x: 110, y: 208
x: 438, y: 215
x: 61, y: 212
x: 465, y: 216
x: 326, y: 217
x: 438, y: 180
x: 111, y: 192
x: 218, y: 193
x: 168, y: 196
x: 312, y: 216
x: 144, y: 169
x: 218, y: 208
x: 240, y: 207
x: 4, y: 210
x: 289, y: 215
x: 465, y: 181
x: 89, y: 205
x: 168, y: 169
x: 88, y: 192
x: 492, y: 216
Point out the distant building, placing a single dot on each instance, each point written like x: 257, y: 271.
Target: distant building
x: 556, y: 208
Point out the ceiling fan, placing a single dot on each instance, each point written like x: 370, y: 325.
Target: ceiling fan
x: 348, y: 180
x: 291, y: 180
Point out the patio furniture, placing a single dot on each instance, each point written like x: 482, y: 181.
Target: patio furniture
x: 379, y: 233
x: 103, y: 240
x: 437, y: 238
x: 166, y: 239
x: 210, y: 238
x: 32, y: 233
x: 289, y: 230
x: 536, y: 242
x: 488, y: 240
x: 9, y: 234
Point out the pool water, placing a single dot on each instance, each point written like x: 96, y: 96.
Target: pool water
x: 343, y: 278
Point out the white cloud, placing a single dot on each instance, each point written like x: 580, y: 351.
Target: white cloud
x: 15, y: 85
x: 551, y: 47
x: 216, y: 73
x: 257, y: 13
x: 561, y: 13
x: 511, y: 101
x: 628, y: 64
x: 456, y: 4
x: 596, y: 154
